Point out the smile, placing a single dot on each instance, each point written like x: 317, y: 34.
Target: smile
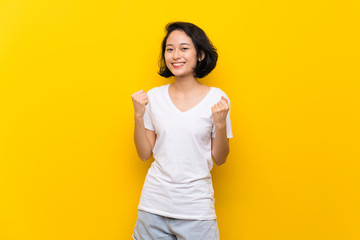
x: 178, y: 64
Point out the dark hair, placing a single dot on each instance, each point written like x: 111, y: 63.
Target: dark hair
x: 201, y: 42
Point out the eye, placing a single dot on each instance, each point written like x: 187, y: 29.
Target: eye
x: 185, y: 48
x: 169, y: 49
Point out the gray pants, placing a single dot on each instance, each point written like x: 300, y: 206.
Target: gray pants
x: 155, y: 227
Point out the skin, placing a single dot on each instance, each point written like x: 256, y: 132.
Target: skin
x: 186, y: 92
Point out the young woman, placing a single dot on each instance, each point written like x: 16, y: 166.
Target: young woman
x: 184, y: 125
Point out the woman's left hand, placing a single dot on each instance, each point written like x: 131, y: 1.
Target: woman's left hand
x: 219, y: 112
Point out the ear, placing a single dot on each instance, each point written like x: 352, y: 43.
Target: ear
x: 202, y: 56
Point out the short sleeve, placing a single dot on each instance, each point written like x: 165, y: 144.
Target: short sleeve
x: 147, y: 118
x: 228, y: 125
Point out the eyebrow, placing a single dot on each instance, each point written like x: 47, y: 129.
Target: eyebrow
x: 180, y: 44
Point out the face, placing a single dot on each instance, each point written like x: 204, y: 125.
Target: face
x: 180, y: 54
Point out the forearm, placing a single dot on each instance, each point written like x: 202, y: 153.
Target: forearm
x: 142, y: 143
x: 220, y: 149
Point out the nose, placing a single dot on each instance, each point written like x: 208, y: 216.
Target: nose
x: 176, y: 54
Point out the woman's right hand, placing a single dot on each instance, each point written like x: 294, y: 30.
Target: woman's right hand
x: 140, y: 100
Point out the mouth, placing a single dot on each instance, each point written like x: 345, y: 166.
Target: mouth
x: 178, y: 64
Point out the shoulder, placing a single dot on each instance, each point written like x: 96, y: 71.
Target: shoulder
x: 217, y: 93
x: 159, y: 89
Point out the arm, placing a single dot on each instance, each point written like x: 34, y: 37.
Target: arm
x: 220, y: 144
x: 144, y: 138
x: 220, y: 147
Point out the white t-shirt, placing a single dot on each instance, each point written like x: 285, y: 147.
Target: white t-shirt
x: 178, y: 183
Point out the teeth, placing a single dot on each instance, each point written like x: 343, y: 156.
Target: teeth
x: 178, y: 64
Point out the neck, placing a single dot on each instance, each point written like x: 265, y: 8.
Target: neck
x: 186, y: 83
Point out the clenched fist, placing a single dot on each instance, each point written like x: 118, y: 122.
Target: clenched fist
x: 140, y: 100
x: 219, y: 112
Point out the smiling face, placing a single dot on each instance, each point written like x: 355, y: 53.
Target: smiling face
x: 180, y: 54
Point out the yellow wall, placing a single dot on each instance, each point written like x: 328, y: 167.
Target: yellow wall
x: 68, y: 165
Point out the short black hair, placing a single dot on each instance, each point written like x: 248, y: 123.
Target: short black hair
x: 201, y: 42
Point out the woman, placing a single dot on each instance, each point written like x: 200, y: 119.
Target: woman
x: 183, y: 125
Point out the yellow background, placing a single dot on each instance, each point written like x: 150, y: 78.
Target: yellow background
x: 69, y: 168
